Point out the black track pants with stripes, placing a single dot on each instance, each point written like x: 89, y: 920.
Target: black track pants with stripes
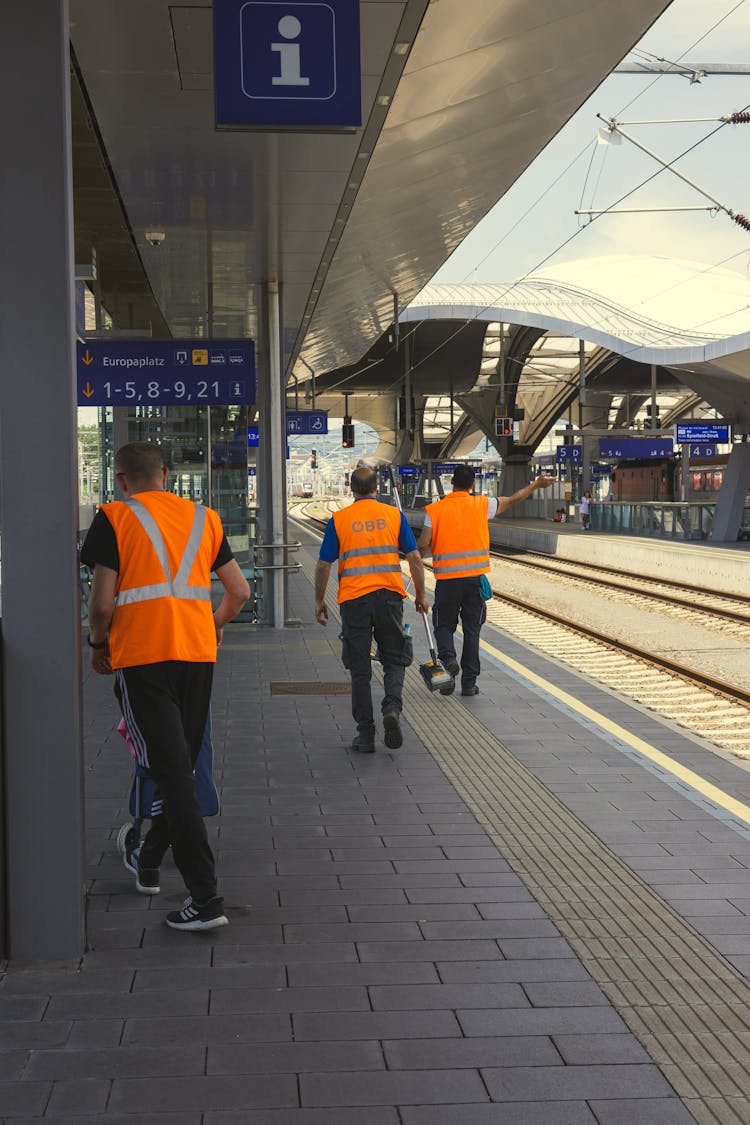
x: 165, y: 706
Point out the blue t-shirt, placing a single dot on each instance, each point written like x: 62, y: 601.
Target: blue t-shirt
x: 329, y: 548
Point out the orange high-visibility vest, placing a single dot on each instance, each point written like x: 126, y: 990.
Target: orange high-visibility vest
x: 460, y: 535
x: 167, y: 547
x: 368, y: 534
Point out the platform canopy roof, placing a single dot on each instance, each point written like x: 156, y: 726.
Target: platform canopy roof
x: 457, y: 100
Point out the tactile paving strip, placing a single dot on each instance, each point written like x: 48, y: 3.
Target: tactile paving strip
x: 688, y: 1006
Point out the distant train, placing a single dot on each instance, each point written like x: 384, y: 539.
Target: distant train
x: 662, y: 479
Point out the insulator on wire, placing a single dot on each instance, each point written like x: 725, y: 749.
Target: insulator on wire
x: 742, y: 118
x: 742, y: 221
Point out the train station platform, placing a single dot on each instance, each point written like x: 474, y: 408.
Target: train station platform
x: 536, y: 912
x: 718, y: 566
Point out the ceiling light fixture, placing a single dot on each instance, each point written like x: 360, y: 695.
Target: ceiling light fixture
x: 401, y: 48
x: 384, y: 99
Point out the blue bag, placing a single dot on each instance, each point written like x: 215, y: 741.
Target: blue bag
x: 145, y: 801
x: 484, y: 587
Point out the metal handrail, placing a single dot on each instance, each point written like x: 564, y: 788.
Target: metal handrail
x: 283, y: 546
x: 281, y: 566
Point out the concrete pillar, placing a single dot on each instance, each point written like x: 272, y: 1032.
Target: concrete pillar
x: 41, y: 652
x: 730, y: 501
x: 271, y: 461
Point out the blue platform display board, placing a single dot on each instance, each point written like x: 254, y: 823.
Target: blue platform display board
x: 573, y: 453
x: 700, y: 449
x: 166, y: 372
x: 307, y: 422
x: 407, y: 470
x: 713, y: 433
x: 639, y: 448
x: 289, y: 66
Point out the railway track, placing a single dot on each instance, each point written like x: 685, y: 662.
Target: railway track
x: 729, y: 613
x: 710, y: 708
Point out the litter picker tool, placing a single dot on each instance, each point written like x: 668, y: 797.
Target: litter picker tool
x: 433, y: 673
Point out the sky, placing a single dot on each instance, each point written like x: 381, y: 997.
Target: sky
x: 533, y: 228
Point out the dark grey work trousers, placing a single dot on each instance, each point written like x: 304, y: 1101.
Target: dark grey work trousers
x: 454, y: 598
x: 379, y: 614
x: 165, y: 706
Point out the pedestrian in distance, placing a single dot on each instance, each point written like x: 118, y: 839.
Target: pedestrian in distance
x: 151, y: 623
x: 456, y: 533
x: 366, y: 538
x: 586, y: 510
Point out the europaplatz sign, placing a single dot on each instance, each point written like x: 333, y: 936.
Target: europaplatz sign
x: 166, y: 372
x: 287, y: 65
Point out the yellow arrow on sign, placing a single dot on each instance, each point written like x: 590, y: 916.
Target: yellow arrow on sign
x: 87, y: 359
x: 88, y: 390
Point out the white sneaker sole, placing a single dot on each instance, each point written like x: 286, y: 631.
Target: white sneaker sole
x: 198, y: 924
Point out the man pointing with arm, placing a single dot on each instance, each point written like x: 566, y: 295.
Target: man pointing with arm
x: 456, y: 532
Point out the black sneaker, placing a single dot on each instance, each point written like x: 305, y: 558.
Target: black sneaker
x: 392, y: 736
x: 146, y: 878
x: 209, y: 916
x: 471, y: 690
x: 452, y: 667
x: 364, y: 743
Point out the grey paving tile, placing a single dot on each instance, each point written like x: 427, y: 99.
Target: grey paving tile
x: 182, y: 1118
x: 523, y: 971
x: 118, y: 1062
x: 428, y: 951
x: 242, y: 976
x: 284, y: 954
x: 78, y: 1095
x: 380, y: 1115
x: 211, y: 1092
x: 557, y: 994
x: 430, y: 1054
x: 226, y: 1028
x: 509, y: 1113
x: 535, y: 947
x: 542, y: 1021
x: 376, y: 1025
x: 422, y: 1087
x: 288, y: 1000
x: 356, y: 932
x: 371, y: 973
x: 645, y: 1111
x: 443, y: 996
x: 559, y: 1083
x: 295, y: 1058
x: 496, y: 928
x: 421, y: 912
x: 126, y: 1005
x: 510, y: 890
x: 99, y: 1033
x: 50, y: 1033
x: 580, y: 1050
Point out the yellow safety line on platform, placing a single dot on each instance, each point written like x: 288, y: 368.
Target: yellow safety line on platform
x: 694, y: 780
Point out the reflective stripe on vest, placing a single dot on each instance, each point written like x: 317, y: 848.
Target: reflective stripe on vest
x: 368, y: 534
x: 176, y: 587
x: 455, y: 519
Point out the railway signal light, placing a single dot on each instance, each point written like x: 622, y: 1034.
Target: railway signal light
x: 313, y: 458
x: 347, y: 434
x: 504, y: 427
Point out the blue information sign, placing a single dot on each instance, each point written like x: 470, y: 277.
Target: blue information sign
x: 713, y: 433
x: 313, y: 422
x: 407, y: 470
x: 166, y: 372
x: 287, y: 65
x: 565, y: 453
x: 700, y: 450
x: 635, y: 447
x: 253, y: 436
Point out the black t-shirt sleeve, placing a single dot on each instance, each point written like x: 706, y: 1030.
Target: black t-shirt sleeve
x: 100, y: 544
x: 224, y: 554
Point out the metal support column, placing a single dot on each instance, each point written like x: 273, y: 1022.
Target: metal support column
x: 41, y: 651
x: 274, y: 584
x: 730, y: 502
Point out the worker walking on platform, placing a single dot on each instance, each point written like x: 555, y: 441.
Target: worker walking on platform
x: 151, y: 622
x: 456, y: 533
x: 366, y: 539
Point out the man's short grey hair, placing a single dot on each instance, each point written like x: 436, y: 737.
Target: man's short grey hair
x: 139, y: 461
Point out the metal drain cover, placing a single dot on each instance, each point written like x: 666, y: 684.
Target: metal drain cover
x: 309, y: 687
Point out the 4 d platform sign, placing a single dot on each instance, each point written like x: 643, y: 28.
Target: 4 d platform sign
x: 288, y: 66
